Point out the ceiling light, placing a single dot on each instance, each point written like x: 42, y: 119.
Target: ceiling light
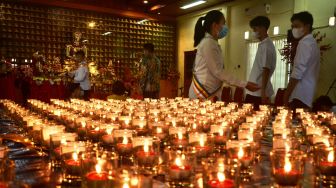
x: 145, y: 2
x: 246, y: 35
x: 92, y: 24
x: 156, y: 7
x: 85, y: 40
x: 332, y: 21
x: 276, y: 30
x: 196, y: 3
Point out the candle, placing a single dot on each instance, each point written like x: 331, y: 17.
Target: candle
x: 328, y: 167
x: 97, y: 178
x: 178, y: 171
x: 201, y: 149
x: 72, y: 166
x: 287, y: 176
x: 108, y: 138
x: 221, y: 182
x: 146, y: 157
x: 124, y: 148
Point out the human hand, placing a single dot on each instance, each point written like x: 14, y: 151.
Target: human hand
x: 252, y: 86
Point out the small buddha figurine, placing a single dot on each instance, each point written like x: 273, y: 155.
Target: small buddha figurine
x: 77, y: 45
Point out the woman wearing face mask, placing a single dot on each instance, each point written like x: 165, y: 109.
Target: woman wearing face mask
x: 306, y: 67
x: 208, y: 71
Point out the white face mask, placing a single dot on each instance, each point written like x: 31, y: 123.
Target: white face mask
x: 255, y: 35
x: 297, y: 32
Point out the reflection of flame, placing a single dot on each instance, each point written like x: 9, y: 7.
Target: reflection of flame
x: 221, y: 167
x: 287, y: 147
x: 98, y: 168
x: 125, y: 140
x: 288, y: 165
x: 221, y: 176
x: 331, y: 156
x: 75, y: 156
x: 221, y: 132
x: 134, y: 181
x: 240, y: 153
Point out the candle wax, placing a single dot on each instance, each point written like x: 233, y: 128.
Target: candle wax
x: 221, y: 184
x: 290, y: 178
x: 94, y: 176
x: 328, y: 168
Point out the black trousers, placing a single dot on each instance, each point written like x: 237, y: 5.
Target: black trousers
x: 256, y: 101
x: 86, y: 96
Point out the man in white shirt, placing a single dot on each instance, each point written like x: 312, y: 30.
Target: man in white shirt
x: 81, y: 75
x: 301, y: 87
x: 264, y: 64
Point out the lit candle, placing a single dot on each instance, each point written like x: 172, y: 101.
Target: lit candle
x: 328, y: 167
x: 221, y: 182
x: 97, y: 178
x: 287, y: 176
x: 145, y: 156
x: 179, y: 171
x: 108, y: 138
x: 72, y: 166
x: 124, y: 148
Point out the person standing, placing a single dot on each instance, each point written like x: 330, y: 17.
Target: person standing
x: 208, y: 72
x: 306, y: 67
x: 150, y: 73
x: 264, y: 64
x: 82, y: 75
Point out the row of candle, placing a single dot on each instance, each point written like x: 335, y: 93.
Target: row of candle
x: 199, y: 129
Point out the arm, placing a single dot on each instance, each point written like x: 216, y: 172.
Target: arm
x: 80, y: 76
x: 213, y: 55
x: 265, y: 78
x: 291, y: 85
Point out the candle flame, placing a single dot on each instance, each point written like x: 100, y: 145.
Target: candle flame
x: 240, y: 153
x: 109, y: 131
x: 287, y: 147
x: 75, y: 156
x: 159, y: 130
x: 174, y: 123
x: 134, y: 181
x: 83, y: 124
x: 221, y: 132
x: 180, y: 135
x: 127, y: 121
x: 201, y: 141
x: 146, y: 146
x: 288, y: 165
x: 194, y: 126
x: 125, y: 185
x: 221, y: 176
x: 125, y: 140
x: 98, y: 168
x: 178, y: 162
x: 331, y: 156
x: 96, y: 129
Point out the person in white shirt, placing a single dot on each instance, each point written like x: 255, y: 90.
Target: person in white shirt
x: 208, y: 71
x: 264, y: 63
x: 301, y: 87
x: 82, y: 75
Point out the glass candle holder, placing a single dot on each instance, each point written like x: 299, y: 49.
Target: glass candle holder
x: 199, y: 145
x: 178, y: 137
x: 180, y: 169
x: 217, y: 175
x: 55, y: 142
x: 287, y: 167
x: 146, y: 154
x: 108, y: 138
x: 221, y: 134
x: 123, y: 142
x: 49, y: 130
x: 140, y: 126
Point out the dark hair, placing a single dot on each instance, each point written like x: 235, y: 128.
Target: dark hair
x: 260, y: 21
x: 149, y: 47
x: 80, y: 53
x: 201, y: 27
x: 304, y: 17
x: 322, y: 103
x: 118, y: 88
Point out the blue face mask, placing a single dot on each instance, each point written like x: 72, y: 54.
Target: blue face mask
x: 223, y: 32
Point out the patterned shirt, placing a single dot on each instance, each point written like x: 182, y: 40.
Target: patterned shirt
x: 150, y: 70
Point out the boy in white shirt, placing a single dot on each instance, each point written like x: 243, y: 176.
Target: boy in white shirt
x: 264, y: 64
x: 81, y: 75
x: 301, y: 87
